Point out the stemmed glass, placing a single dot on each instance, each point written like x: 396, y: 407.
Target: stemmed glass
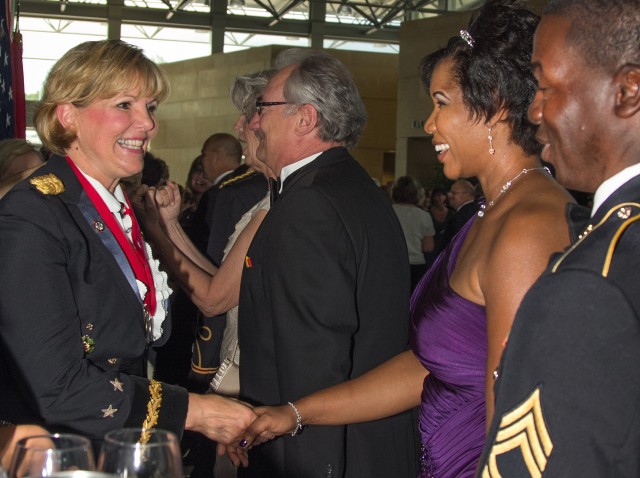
x: 141, y: 453
x: 51, y: 456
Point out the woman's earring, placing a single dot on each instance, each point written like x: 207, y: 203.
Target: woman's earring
x: 492, y: 151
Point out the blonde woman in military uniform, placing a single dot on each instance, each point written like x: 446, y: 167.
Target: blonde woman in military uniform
x: 82, y: 295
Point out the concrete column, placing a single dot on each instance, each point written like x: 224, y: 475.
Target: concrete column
x: 317, y: 14
x: 218, y: 25
x: 114, y: 19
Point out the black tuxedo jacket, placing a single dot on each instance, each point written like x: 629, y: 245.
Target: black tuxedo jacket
x: 324, y: 298
x: 568, y: 392
x: 71, y: 319
x: 455, y: 223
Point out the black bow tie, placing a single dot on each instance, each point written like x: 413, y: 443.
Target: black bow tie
x: 274, y: 190
x: 578, y: 218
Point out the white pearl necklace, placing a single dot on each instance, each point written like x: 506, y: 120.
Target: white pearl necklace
x: 485, y: 207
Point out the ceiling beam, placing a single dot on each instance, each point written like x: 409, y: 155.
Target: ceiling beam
x: 196, y: 20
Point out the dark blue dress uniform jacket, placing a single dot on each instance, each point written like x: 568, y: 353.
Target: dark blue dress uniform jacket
x: 568, y: 392
x: 71, y: 320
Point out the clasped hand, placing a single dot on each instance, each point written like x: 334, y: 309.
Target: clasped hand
x: 270, y: 422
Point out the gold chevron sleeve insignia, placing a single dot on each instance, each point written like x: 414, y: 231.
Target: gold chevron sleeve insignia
x: 49, y: 184
x: 524, y: 430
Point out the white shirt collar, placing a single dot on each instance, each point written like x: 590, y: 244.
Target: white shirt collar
x: 293, y: 167
x: 113, y: 201
x: 222, y: 176
x: 463, y: 205
x: 612, y: 184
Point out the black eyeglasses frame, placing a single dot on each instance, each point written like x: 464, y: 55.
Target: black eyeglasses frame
x: 262, y: 104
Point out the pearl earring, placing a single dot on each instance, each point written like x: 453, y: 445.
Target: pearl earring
x: 492, y: 151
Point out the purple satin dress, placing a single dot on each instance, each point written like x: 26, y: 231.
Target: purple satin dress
x: 449, y: 337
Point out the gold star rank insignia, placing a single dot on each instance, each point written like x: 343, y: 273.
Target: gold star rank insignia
x: 109, y: 412
x: 49, y: 184
x: 117, y: 385
x: 522, y: 430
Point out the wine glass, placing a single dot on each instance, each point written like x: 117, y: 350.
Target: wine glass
x: 141, y: 453
x: 51, y: 456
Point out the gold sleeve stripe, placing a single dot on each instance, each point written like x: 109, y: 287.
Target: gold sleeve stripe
x: 203, y: 370
x: 205, y: 334
x: 153, y: 410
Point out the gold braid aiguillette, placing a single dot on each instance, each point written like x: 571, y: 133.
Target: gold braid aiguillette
x: 153, y: 409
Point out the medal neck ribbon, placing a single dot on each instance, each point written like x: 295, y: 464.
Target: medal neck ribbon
x: 134, y: 250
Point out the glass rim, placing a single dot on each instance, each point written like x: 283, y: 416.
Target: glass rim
x: 80, y: 442
x: 168, y: 436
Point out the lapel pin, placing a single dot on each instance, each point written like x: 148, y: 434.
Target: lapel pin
x: 88, y: 343
x: 98, y: 226
x: 624, y: 213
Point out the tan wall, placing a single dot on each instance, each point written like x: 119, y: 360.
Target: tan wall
x: 199, y: 104
x: 415, y: 155
x: 396, y: 102
x: 376, y: 75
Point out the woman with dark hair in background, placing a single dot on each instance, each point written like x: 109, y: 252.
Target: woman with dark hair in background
x: 461, y: 312
x: 197, y: 184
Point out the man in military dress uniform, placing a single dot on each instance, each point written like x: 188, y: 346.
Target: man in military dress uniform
x: 568, y: 388
x: 235, y: 195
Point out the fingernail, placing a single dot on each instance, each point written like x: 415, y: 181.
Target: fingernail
x: 243, y: 443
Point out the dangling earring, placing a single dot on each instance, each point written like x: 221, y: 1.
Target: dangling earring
x: 492, y: 151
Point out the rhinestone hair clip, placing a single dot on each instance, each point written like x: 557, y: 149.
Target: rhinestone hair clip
x: 466, y: 36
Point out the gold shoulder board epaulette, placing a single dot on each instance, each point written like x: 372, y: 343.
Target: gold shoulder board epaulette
x: 235, y: 179
x: 625, y: 212
x: 616, y: 238
x: 49, y: 184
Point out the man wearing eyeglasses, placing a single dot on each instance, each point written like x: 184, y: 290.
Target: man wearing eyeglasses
x: 461, y: 198
x: 324, y: 295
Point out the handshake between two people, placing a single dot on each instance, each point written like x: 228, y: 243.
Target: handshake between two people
x: 237, y: 427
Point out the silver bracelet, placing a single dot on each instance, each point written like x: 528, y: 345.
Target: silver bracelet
x: 298, y: 428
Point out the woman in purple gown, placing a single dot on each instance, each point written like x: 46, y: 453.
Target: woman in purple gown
x: 462, y: 309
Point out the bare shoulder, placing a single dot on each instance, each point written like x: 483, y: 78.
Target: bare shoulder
x: 532, y: 226
x: 511, y: 245
x: 538, y: 212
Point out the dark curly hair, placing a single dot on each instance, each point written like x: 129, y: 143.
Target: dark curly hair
x: 494, y: 73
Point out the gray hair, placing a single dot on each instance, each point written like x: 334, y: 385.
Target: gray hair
x: 247, y: 88
x: 321, y: 80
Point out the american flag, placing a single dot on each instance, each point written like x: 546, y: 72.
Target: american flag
x: 12, y: 100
